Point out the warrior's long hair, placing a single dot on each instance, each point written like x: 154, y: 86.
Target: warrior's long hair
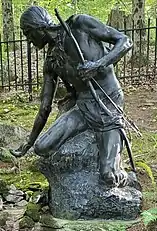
x: 35, y: 17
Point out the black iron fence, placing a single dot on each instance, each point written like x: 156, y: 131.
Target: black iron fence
x: 21, y: 64
x: 139, y: 66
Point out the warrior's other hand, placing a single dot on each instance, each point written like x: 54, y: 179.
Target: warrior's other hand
x: 21, y: 151
x: 87, y: 70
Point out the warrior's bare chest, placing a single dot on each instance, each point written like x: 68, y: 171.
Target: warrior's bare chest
x: 91, y: 49
x: 64, y: 57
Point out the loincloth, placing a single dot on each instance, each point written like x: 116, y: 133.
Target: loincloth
x: 97, y: 119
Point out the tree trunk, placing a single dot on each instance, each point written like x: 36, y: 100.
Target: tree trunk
x: 138, y: 15
x: 8, y: 22
x: 118, y: 19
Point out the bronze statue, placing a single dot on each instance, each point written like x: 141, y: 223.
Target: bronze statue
x: 63, y: 62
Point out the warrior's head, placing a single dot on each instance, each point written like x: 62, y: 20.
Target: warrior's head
x: 34, y: 22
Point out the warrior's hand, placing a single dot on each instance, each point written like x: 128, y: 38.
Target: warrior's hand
x: 21, y: 151
x: 87, y: 70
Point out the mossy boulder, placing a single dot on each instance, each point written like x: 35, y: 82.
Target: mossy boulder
x: 26, y: 222
x: 11, y: 135
x: 3, y: 187
x: 33, y: 211
x: 5, y: 156
x: 3, y: 218
x: 48, y: 222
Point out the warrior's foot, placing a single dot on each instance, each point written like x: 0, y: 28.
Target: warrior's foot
x: 117, y: 178
x: 121, y: 177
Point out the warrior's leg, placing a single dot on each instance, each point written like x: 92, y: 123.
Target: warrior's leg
x: 66, y: 126
x: 110, y: 146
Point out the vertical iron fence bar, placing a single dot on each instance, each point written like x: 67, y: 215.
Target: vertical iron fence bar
x: 37, y: 68
x: 132, y: 52
x: 8, y: 61
x: 124, y: 69
x: 148, y: 42
x: 14, y: 47
x: 155, y: 58
x: 29, y: 71
x: 21, y: 54
x: 1, y: 61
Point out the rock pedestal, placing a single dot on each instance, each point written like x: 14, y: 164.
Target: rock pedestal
x: 75, y: 190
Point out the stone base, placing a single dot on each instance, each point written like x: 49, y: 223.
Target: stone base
x: 75, y: 190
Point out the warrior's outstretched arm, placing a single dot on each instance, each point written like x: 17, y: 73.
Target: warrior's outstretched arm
x: 49, y: 87
x: 45, y: 108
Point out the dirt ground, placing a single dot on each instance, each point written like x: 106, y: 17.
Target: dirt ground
x: 141, y: 106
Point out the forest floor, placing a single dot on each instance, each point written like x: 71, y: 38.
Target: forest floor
x: 140, y: 106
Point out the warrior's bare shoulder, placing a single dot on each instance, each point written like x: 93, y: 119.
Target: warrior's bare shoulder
x: 82, y: 21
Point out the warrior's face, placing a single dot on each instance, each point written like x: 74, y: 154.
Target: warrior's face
x: 37, y: 37
x: 33, y: 22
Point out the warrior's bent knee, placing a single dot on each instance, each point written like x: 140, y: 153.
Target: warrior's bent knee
x: 37, y: 148
x: 41, y: 149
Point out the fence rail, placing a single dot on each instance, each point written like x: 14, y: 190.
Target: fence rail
x: 21, y: 64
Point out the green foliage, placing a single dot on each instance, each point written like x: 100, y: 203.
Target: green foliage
x: 3, y: 186
x: 150, y: 197
x: 149, y: 215
x: 32, y: 211
x: 26, y: 179
x: 16, y: 109
x: 18, y: 114
x: 6, y: 157
x: 144, y: 147
x: 148, y: 170
x: 97, y: 8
